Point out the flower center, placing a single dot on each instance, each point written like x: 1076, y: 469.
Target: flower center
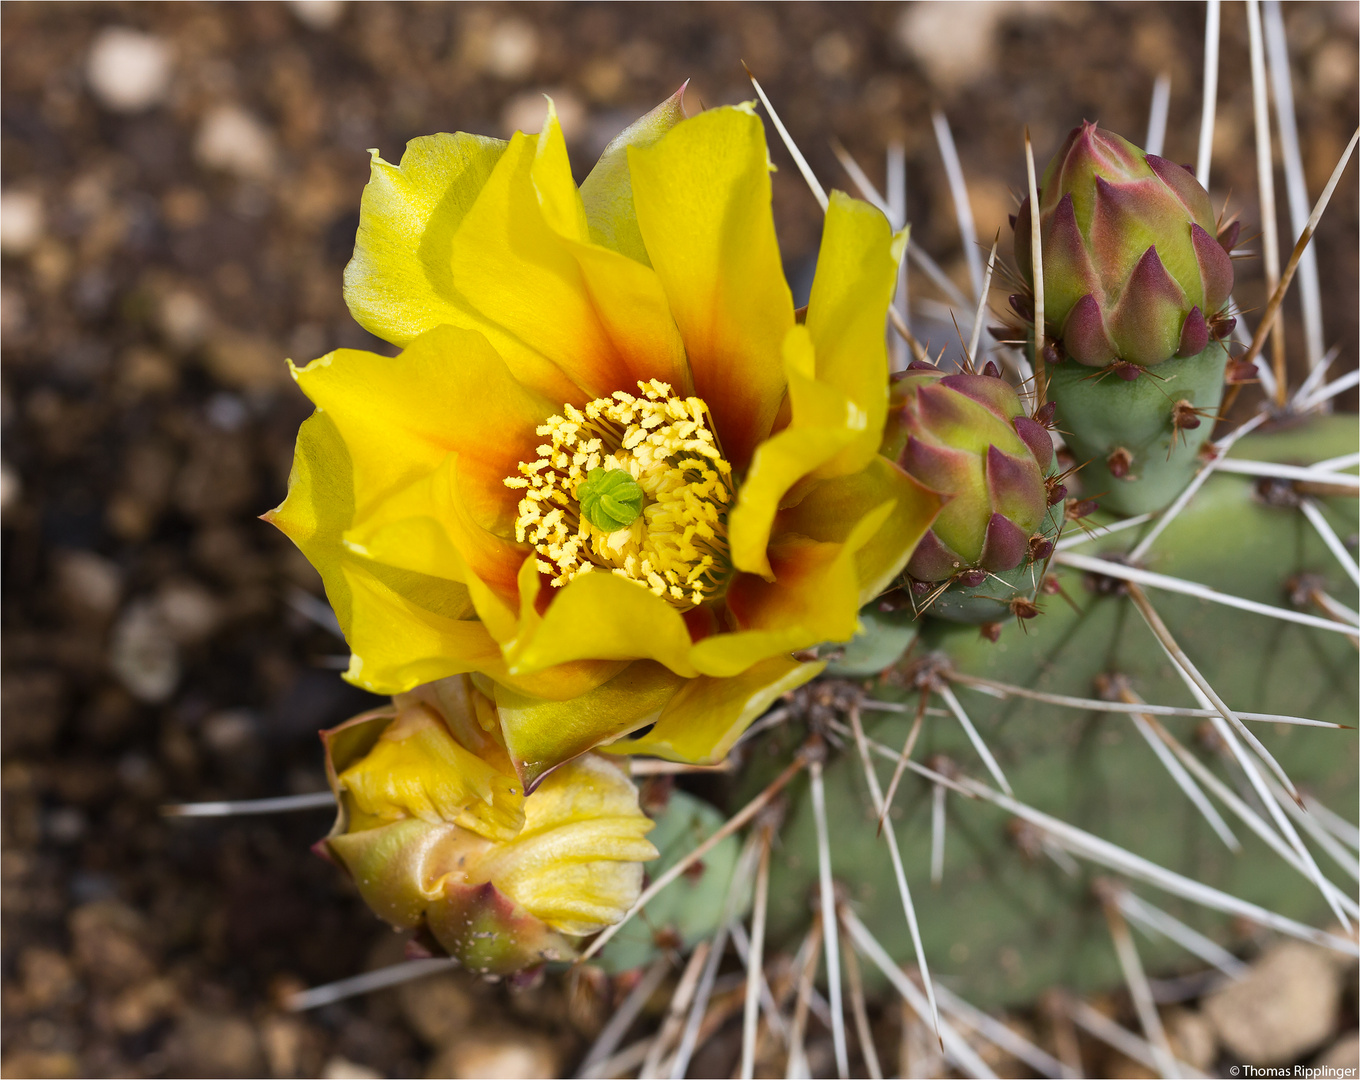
x: 635, y: 485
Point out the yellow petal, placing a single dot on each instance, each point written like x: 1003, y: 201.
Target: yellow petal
x: 425, y: 526
x: 702, y: 195
x: 403, y: 628
x: 725, y: 655
x: 400, y: 281
x: 395, y: 641
x: 823, y: 427
x: 577, y: 863
x: 847, y: 311
x: 829, y: 509
x: 525, y: 263
x: 816, y: 589
x: 417, y: 769
x: 448, y: 391
x: 703, y: 721
x: 540, y: 735
x: 602, y: 615
x: 608, y: 191
x: 394, y: 866
x: 837, y: 371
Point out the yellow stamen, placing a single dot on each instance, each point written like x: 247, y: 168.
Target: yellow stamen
x: 677, y: 547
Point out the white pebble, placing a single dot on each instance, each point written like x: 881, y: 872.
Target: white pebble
x: 142, y: 654
x: 21, y: 222
x: 317, y: 14
x: 954, y: 41
x: 511, y: 49
x: 234, y: 141
x: 128, y: 71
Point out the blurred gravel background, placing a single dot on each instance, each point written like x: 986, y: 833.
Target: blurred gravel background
x: 180, y: 191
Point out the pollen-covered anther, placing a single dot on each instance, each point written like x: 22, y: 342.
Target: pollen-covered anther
x: 662, y: 523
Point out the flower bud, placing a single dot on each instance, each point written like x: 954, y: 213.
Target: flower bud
x: 438, y: 836
x: 1132, y: 269
x: 967, y: 436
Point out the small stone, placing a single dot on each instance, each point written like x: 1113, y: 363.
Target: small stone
x: 1192, y: 1038
x: 183, y: 319
x: 833, y: 54
x: 142, y: 653
x: 211, y: 1044
x: 46, y: 977
x: 318, y: 14
x: 141, y: 371
x: 53, y: 1064
x: 954, y: 41
x: 505, y: 1055
x: 140, y: 1006
x: 1332, y: 70
x: 341, y: 1068
x: 190, y: 612
x: 88, y: 583
x: 128, y: 71
x: 1342, y: 1058
x: 11, y: 488
x: 438, y: 1008
x: 65, y: 825
x: 282, y: 1037
x: 247, y: 362
x: 110, y: 943
x: 232, y: 140
x: 511, y: 49
x: 230, y: 731
x: 1282, y: 1009
x: 13, y: 313
x: 21, y: 222
x: 227, y: 412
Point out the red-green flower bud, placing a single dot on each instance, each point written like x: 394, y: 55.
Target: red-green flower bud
x: 968, y: 437
x: 1132, y: 269
x: 437, y: 834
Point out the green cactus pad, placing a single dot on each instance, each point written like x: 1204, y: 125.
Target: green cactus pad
x: 1004, y: 925
x: 1100, y: 414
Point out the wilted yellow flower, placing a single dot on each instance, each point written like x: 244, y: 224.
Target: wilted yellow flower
x: 613, y: 473
x: 437, y: 834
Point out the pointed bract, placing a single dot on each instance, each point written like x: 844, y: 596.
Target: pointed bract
x: 1194, y: 334
x: 1084, y: 335
x: 1145, y: 323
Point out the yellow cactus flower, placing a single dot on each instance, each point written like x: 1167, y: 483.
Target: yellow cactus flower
x: 438, y: 836
x: 613, y: 472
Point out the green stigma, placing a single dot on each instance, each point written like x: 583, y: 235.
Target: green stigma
x: 610, y: 499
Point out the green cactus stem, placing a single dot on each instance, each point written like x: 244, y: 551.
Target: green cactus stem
x: 1138, y: 442
x: 1007, y: 921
